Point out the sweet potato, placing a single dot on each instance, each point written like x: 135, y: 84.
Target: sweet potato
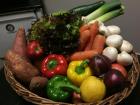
x: 19, y: 44
x: 21, y: 68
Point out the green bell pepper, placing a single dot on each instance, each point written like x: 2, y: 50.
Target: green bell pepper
x: 59, y: 88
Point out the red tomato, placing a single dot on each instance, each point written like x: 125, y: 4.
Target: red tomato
x: 120, y: 68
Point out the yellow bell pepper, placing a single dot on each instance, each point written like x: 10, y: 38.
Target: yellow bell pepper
x: 77, y: 71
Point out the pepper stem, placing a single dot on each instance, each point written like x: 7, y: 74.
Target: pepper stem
x: 70, y: 87
x: 37, y: 49
x: 81, y: 68
x: 52, y: 64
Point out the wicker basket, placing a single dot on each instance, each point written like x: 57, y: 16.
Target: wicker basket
x: 29, y: 96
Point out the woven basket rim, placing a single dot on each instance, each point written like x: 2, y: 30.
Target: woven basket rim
x: 111, y: 100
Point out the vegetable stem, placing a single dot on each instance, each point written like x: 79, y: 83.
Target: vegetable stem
x: 70, y: 87
x: 109, y: 15
x: 102, y: 10
x: 81, y: 68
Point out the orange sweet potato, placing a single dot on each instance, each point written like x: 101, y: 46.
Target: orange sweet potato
x: 19, y: 43
x: 21, y: 67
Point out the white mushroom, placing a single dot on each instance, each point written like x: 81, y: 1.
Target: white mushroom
x: 111, y: 53
x: 124, y: 58
x: 114, y: 40
x: 126, y: 46
x: 113, y: 29
x: 103, y: 30
x: 101, y: 23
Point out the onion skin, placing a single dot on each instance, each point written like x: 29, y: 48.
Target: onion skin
x: 76, y: 98
x: 114, y: 81
x: 100, y: 64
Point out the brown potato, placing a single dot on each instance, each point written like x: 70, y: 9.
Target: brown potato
x: 38, y: 83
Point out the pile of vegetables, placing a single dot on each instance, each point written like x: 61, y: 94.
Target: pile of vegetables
x: 72, y: 56
x: 62, y: 28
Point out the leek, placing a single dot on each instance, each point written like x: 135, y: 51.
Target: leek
x: 102, y: 10
x: 109, y: 15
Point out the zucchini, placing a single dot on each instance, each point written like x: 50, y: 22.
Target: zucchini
x: 84, y: 10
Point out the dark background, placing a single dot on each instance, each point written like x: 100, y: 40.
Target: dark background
x: 16, y: 5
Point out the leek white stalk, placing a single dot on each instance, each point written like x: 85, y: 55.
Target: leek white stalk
x: 102, y: 10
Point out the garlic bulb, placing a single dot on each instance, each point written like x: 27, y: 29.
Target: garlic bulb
x: 113, y: 29
x: 114, y: 40
x: 111, y: 53
x: 126, y: 46
x: 124, y: 58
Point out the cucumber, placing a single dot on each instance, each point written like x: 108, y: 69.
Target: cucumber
x: 84, y: 10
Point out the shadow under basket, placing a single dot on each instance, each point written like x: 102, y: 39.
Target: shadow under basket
x: 29, y: 96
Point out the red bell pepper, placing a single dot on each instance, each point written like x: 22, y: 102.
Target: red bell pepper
x: 53, y: 65
x: 34, y: 50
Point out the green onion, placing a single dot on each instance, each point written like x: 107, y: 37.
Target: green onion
x: 109, y: 15
x: 102, y: 10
